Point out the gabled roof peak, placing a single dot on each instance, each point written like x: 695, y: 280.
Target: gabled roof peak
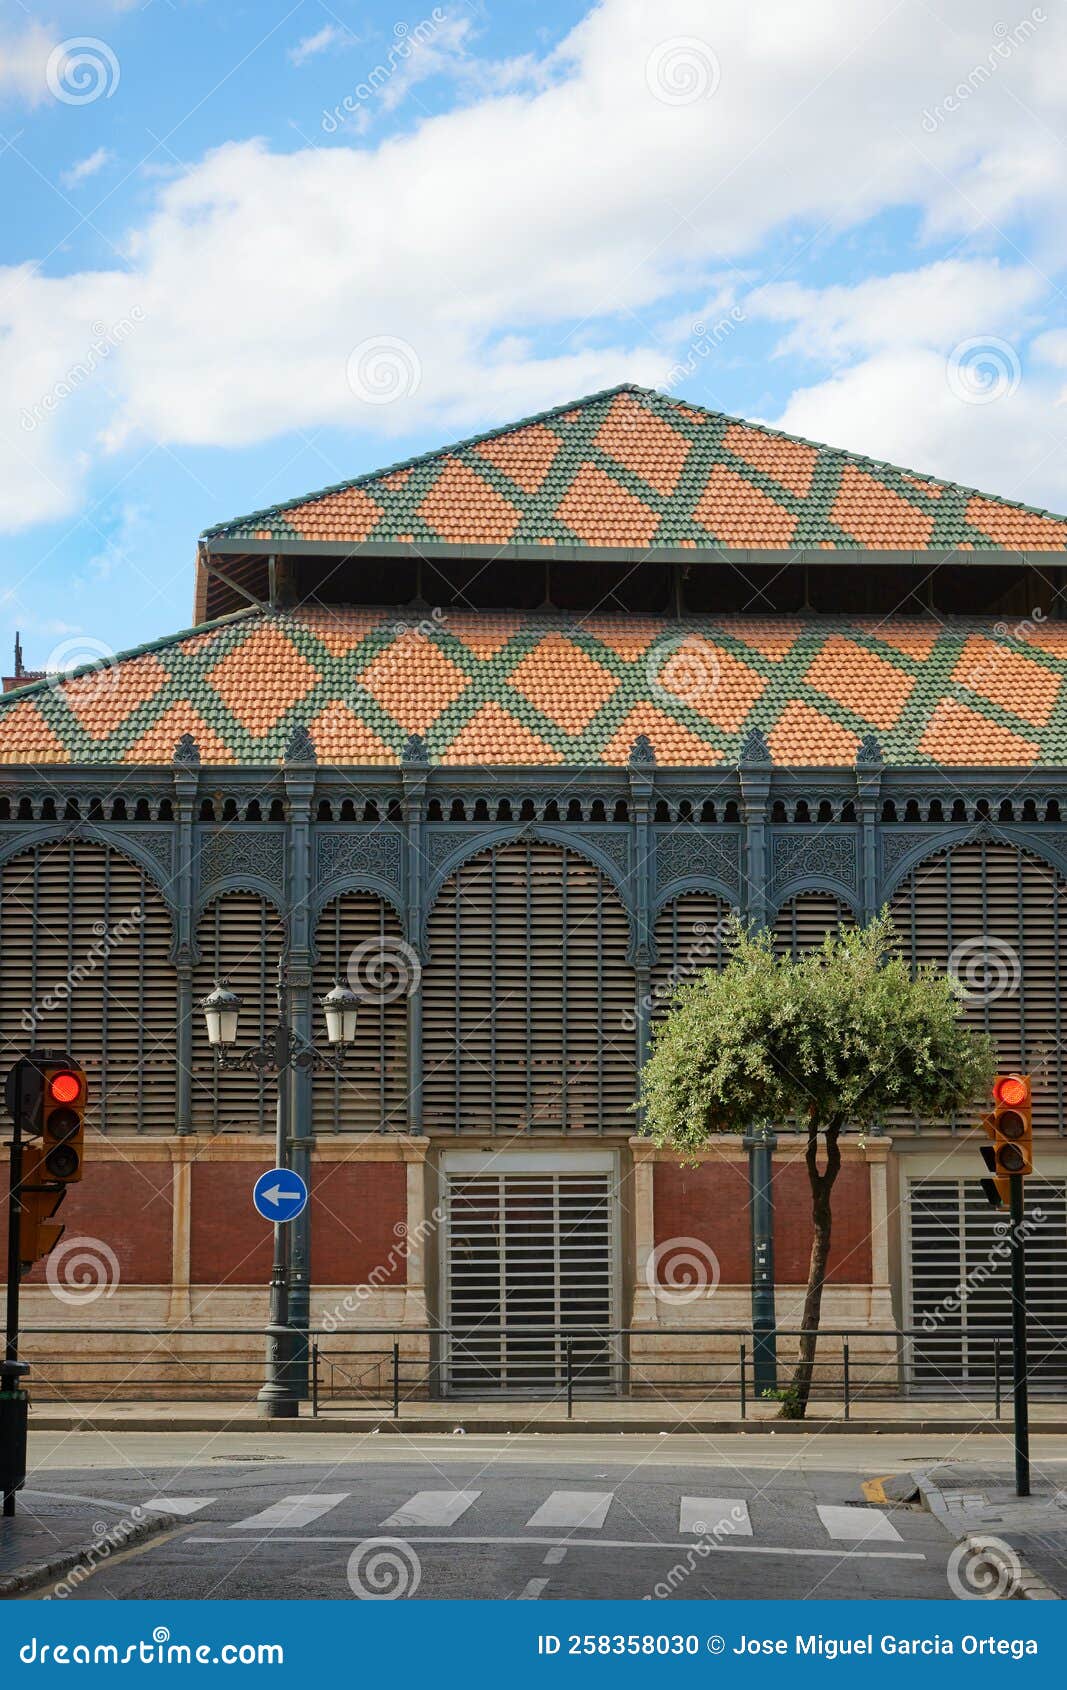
x: 632, y: 469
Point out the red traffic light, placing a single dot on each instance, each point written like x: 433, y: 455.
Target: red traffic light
x: 1011, y: 1089
x: 64, y: 1088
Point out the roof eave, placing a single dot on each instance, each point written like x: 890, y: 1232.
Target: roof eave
x: 770, y: 555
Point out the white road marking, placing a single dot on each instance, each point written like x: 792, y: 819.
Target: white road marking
x: 433, y: 1508
x: 647, y: 1544
x: 714, y: 1516
x: 554, y: 1557
x: 293, y: 1511
x: 179, y: 1504
x: 857, y: 1525
x: 574, y: 1508
x: 533, y: 1590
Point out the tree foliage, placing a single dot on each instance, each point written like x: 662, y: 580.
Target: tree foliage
x: 845, y: 1033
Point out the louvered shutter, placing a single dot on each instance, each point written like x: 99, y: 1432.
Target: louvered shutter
x: 240, y: 938
x: 370, y: 1092
x: 527, y: 997
x: 85, y: 938
x: 1001, y: 915
x: 689, y: 939
x: 804, y: 920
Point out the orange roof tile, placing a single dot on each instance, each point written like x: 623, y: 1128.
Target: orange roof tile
x: 563, y: 682
x: 414, y: 681
x: 876, y: 516
x: 1004, y: 674
x: 956, y: 734
x: 869, y: 685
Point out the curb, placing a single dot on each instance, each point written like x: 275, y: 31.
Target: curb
x: 1031, y: 1588
x: 26, y: 1579
x: 498, y: 1424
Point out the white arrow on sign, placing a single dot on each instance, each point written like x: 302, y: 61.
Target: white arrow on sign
x: 274, y: 1194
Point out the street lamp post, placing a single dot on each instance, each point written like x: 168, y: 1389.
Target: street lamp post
x: 280, y: 1053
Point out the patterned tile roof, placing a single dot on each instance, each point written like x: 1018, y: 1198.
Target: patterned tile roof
x: 509, y: 688
x: 634, y: 469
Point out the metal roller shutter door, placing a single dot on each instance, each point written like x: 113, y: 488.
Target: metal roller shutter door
x: 528, y: 1254
x: 959, y: 1284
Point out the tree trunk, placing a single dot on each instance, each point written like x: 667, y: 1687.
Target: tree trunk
x: 795, y: 1403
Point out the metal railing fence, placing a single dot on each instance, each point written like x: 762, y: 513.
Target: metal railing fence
x: 395, y: 1369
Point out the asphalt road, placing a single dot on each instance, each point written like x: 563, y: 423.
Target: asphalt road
x: 506, y: 1519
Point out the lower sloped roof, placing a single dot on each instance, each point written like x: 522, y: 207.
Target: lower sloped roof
x: 517, y: 688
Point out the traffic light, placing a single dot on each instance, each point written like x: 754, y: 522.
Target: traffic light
x: 1009, y: 1126
x: 63, y: 1097
x: 39, y: 1198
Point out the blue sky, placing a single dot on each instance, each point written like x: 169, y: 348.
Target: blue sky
x: 249, y: 250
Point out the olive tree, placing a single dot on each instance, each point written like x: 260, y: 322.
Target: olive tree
x: 838, y: 1037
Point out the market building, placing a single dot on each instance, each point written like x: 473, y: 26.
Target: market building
x: 501, y: 735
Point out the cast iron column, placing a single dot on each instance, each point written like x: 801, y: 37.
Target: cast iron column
x: 299, y: 773
x: 754, y: 773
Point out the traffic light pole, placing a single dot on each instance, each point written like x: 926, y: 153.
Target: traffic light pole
x: 1018, y: 1336
x: 12, y: 1397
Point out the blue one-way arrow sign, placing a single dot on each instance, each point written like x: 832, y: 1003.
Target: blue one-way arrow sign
x: 279, y: 1195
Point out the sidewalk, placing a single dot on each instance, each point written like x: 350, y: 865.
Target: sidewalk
x: 56, y: 1540
x: 628, y: 1415
x: 1021, y: 1538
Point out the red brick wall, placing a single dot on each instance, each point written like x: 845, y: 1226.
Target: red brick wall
x: 710, y: 1202
x: 358, y: 1207
x: 230, y: 1244
x: 355, y: 1207
x: 127, y: 1206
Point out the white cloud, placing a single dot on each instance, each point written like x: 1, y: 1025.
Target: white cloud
x: 932, y: 306
x: 543, y: 240
x: 330, y: 35
x: 23, y: 58
x: 86, y: 167
x: 901, y: 406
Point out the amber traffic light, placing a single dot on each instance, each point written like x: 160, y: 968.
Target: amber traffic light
x: 39, y: 1198
x: 64, y: 1094
x: 1009, y: 1126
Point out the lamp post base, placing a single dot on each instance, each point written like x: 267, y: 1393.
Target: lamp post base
x: 276, y: 1396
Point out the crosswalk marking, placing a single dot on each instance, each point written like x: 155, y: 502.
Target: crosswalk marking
x: 179, y: 1504
x: 587, y: 1508
x: 433, y: 1508
x: 857, y: 1525
x: 293, y: 1511
x: 532, y: 1590
x: 714, y: 1516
